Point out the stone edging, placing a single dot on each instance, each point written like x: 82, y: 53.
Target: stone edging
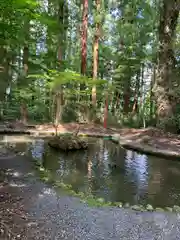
x: 130, y: 144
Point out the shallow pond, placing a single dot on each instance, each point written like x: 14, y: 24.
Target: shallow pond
x: 106, y: 170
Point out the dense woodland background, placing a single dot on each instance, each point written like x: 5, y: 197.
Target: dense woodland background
x: 63, y: 61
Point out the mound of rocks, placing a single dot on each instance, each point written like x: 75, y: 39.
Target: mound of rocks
x: 68, y: 142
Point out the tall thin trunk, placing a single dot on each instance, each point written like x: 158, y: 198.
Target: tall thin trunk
x: 4, y: 71
x: 25, y: 59
x: 142, y: 88
x: 117, y: 102
x: 126, y: 96
x: 95, y: 52
x: 135, y: 104
x: 153, y: 79
x: 106, y: 111
x: 62, y: 10
x: 23, y: 107
x: 84, y: 37
x: 169, y: 13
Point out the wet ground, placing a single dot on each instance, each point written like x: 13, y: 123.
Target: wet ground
x: 32, y: 210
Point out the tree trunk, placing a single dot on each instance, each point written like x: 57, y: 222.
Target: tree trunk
x: 126, y: 96
x: 58, y: 112
x: 95, y: 53
x: 84, y: 37
x: 24, y: 113
x: 142, y: 88
x: 169, y: 12
x: 106, y: 111
x: 25, y: 59
x: 153, y: 79
x: 62, y: 10
x: 23, y: 107
x: 135, y: 104
x: 4, y: 72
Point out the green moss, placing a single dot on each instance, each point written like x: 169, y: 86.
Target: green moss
x: 176, y: 209
x: 169, y: 209
x: 71, y: 192
x: 101, y: 200
x: 93, y: 202
x: 138, y: 208
x: 108, y: 204
x: 80, y: 194
x: 158, y: 209
x: 149, y: 208
x: 46, y: 176
x: 118, y: 204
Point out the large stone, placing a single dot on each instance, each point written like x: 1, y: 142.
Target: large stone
x: 176, y: 208
x: 115, y: 138
x: 149, y: 208
x: 68, y: 142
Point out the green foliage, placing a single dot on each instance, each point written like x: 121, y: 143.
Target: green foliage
x: 51, y: 33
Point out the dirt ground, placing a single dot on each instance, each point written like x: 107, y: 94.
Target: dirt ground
x: 152, y: 137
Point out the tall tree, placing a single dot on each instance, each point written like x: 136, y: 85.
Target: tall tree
x: 84, y: 37
x: 62, y: 21
x: 96, y: 47
x: 169, y: 12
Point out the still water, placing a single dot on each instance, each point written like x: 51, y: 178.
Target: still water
x: 106, y: 170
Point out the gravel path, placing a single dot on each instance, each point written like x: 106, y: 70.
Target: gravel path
x: 44, y: 214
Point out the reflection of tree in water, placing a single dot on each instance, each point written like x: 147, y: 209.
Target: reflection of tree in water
x: 137, y: 174
x: 37, y: 149
x: 71, y: 167
x: 164, y: 188
x: 135, y: 179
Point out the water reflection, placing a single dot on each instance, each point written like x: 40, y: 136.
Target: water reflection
x: 109, y: 171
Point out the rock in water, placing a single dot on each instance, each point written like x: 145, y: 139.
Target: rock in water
x: 68, y: 142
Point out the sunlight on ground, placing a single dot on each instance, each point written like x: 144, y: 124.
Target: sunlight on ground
x: 15, y: 139
x: 46, y: 191
x: 16, y: 185
x: 16, y: 174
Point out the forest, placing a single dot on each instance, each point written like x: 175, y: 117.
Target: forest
x: 89, y: 119
x: 91, y: 61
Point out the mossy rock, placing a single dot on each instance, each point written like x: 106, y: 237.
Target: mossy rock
x: 68, y: 142
x: 169, y: 209
x: 149, y: 208
x: 126, y: 205
x: 137, y: 208
x: 100, y: 200
x: 158, y: 209
x: 118, y: 204
x: 176, y: 209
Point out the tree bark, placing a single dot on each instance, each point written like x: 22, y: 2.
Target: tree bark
x: 25, y: 59
x: 95, y: 52
x: 106, y: 111
x: 126, y: 96
x: 153, y: 79
x: 4, y: 71
x: 84, y: 37
x: 136, y: 95
x: 169, y: 12
x: 23, y: 107
x: 59, y: 95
